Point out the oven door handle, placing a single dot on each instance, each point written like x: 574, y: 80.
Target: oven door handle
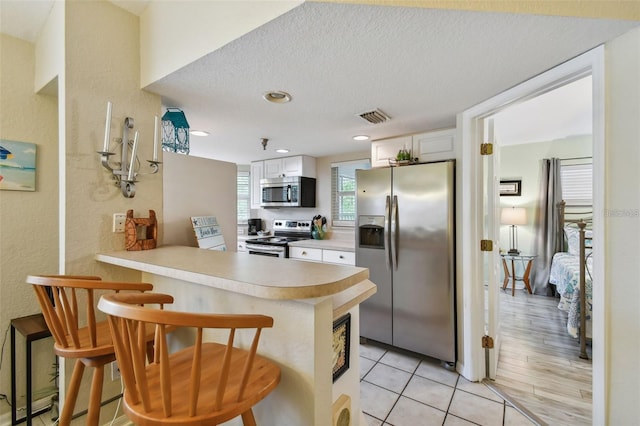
x: 264, y: 247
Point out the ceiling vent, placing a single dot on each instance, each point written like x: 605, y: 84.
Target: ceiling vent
x: 374, y: 117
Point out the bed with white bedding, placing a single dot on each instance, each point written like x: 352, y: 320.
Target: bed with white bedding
x: 571, y: 268
x: 565, y: 275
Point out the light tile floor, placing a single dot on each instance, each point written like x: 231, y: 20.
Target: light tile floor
x: 402, y: 389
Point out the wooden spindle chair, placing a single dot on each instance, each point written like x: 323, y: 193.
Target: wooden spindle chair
x: 206, y: 383
x: 90, y: 345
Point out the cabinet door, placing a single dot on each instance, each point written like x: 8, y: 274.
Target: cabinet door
x: 257, y: 173
x: 305, y: 253
x: 384, y: 150
x: 338, y: 256
x: 292, y: 166
x: 273, y: 168
x: 434, y: 146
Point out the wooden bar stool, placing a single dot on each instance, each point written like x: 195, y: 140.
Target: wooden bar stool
x: 204, y: 384
x: 90, y: 345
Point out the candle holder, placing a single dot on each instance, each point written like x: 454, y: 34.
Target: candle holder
x: 123, y: 172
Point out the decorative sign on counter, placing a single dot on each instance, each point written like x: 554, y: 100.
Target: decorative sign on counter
x: 208, y: 233
x: 341, y: 343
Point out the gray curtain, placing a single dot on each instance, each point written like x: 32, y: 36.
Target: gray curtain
x: 547, y: 225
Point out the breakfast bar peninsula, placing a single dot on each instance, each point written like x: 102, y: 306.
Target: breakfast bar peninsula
x: 304, y: 299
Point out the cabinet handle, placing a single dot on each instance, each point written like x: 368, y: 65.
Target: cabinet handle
x: 341, y: 257
x: 304, y: 253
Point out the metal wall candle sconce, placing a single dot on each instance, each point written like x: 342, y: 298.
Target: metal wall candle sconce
x: 124, y: 172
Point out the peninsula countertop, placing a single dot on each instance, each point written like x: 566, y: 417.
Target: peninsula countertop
x: 264, y: 277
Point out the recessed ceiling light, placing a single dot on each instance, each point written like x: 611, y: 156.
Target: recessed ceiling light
x: 198, y: 133
x: 277, y: 96
x: 361, y: 138
x: 282, y: 151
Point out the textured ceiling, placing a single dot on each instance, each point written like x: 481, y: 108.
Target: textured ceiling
x: 419, y: 66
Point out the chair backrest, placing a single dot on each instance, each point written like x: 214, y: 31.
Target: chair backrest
x: 58, y: 296
x: 187, y: 387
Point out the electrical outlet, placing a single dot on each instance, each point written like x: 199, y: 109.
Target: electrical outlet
x: 118, y: 222
x: 115, y: 371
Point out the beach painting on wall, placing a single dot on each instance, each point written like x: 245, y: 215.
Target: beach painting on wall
x: 17, y: 166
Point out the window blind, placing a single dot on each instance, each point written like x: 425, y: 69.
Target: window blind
x: 577, y: 184
x: 343, y: 191
x: 243, y: 196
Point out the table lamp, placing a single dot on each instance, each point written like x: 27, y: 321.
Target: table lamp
x: 513, y: 216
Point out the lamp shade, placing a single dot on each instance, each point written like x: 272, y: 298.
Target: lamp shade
x: 513, y: 216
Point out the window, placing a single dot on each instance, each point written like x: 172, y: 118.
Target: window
x: 244, y: 196
x: 343, y: 191
x: 577, y: 184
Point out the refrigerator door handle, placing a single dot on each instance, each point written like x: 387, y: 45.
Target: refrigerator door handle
x: 394, y: 233
x: 387, y: 213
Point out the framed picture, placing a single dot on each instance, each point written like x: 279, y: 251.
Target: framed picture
x: 510, y: 188
x: 17, y: 166
x: 341, y: 342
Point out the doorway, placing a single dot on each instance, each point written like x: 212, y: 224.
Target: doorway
x: 473, y: 222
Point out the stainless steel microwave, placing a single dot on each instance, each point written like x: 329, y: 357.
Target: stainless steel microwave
x: 289, y: 191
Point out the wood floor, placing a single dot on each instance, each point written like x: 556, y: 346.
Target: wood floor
x: 539, y: 365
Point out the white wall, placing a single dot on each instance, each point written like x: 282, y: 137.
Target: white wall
x: 622, y: 228
x: 523, y: 162
x: 28, y: 220
x: 176, y: 33
x: 50, y: 48
x: 196, y: 186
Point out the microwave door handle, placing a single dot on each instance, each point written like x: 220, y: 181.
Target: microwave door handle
x: 394, y: 233
x: 288, y: 193
x: 387, y: 212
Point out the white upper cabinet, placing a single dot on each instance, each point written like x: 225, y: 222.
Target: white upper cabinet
x: 384, y: 150
x: 300, y: 165
x: 273, y: 168
x: 434, y: 146
x: 429, y: 146
x: 257, y: 173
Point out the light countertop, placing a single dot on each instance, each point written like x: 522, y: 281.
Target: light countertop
x: 259, y: 276
x: 333, y: 244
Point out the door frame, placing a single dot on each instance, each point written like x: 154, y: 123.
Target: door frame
x: 470, y: 218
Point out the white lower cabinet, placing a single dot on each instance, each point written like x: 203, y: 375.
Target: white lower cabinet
x: 305, y: 253
x: 338, y: 256
x: 322, y: 255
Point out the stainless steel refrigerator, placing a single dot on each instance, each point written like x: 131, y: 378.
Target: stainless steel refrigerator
x: 405, y: 235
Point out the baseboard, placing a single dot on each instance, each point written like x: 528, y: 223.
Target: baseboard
x: 120, y: 421
x: 5, y: 419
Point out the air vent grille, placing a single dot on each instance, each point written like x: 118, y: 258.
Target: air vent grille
x: 374, y: 117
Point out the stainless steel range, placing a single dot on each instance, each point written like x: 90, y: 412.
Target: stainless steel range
x: 284, y: 232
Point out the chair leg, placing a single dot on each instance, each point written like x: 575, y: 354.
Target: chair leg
x: 248, y: 419
x: 72, y: 394
x: 95, y: 397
